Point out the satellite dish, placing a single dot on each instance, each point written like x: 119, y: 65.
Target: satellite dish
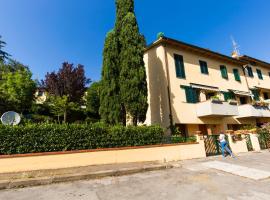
x: 10, y: 118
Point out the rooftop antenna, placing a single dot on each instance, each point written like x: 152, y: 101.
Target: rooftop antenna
x: 236, y: 47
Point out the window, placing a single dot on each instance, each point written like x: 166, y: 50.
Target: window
x: 228, y: 95
x: 192, y: 95
x: 259, y: 72
x: 250, y: 72
x: 243, y: 100
x: 236, y: 75
x: 179, y: 66
x: 256, y: 95
x: 204, y: 68
x: 224, y: 73
x: 269, y: 74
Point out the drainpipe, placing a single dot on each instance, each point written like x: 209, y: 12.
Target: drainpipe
x: 168, y: 87
x: 244, y: 68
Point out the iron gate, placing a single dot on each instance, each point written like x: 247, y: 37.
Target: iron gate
x: 212, y: 146
x: 249, y: 143
x: 264, y: 140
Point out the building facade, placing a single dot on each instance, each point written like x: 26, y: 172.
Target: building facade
x: 196, y: 89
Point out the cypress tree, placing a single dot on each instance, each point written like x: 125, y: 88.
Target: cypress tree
x: 124, y: 87
x: 133, y: 85
x: 109, y: 94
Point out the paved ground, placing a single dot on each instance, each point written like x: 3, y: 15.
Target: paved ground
x: 193, y: 180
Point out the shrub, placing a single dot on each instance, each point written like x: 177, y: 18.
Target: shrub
x: 181, y: 139
x: 34, y: 138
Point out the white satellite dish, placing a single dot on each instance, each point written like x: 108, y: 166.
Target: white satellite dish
x: 11, y: 118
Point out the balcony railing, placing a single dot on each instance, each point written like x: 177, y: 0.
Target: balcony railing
x: 249, y: 110
x: 216, y: 108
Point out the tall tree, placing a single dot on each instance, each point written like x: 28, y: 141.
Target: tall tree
x: 133, y: 85
x: 110, y: 110
x: 123, y: 56
x: 3, y: 55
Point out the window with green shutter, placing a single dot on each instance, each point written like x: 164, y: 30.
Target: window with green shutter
x: 223, y: 70
x: 250, y: 72
x: 255, y: 94
x: 179, y: 66
x: 228, y: 95
x: 191, y: 94
x: 259, y: 72
x: 204, y: 67
x: 236, y: 75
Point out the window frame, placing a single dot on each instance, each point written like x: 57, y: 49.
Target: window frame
x: 204, y: 67
x: 259, y: 73
x: 236, y: 74
x: 179, y: 66
x: 223, y: 67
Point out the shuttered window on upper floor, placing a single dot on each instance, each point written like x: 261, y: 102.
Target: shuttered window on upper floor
x: 192, y: 95
x: 179, y: 66
x: 228, y: 95
x: 204, y: 67
x: 256, y: 95
x: 236, y: 74
x: 259, y: 72
x: 249, y: 71
x: 223, y: 70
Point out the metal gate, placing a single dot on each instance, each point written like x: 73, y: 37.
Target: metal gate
x: 264, y: 140
x: 212, y: 145
x: 249, y: 143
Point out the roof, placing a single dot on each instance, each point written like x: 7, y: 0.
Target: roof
x: 254, y: 60
x: 193, y: 48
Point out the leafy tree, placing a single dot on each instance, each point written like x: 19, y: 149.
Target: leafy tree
x: 69, y: 81
x: 110, y: 109
x: 93, y: 100
x: 60, y: 106
x: 17, y: 88
x: 3, y: 55
x: 133, y: 85
x: 66, y: 89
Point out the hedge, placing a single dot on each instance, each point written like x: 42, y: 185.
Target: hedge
x: 37, y: 138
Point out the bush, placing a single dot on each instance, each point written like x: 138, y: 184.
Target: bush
x: 181, y: 139
x: 34, y: 138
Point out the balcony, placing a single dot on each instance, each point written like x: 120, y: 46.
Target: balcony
x: 248, y: 110
x: 216, y: 108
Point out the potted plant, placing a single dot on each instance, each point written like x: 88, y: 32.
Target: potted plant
x: 215, y: 99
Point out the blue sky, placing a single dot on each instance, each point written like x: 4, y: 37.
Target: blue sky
x: 44, y: 33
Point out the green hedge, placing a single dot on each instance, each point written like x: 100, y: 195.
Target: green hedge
x: 52, y: 137
x: 181, y: 139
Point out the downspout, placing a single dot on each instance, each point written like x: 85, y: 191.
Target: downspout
x: 168, y: 87
x: 244, y: 68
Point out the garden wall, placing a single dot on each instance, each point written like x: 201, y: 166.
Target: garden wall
x: 161, y: 153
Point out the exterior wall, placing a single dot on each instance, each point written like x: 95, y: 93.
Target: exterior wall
x: 238, y: 146
x: 161, y: 154
x: 256, y: 82
x: 255, y: 142
x: 184, y: 112
x: 161, y: 74
x: 158, y: 111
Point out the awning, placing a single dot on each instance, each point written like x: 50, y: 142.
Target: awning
x: 261, y: 88
x: 204, y: 87
x: 242, y: 93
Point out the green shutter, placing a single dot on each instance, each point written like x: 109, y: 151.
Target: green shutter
x: 204, y: 67
x: 256, y: 94
x: 224, y: 73
x: 236, y: 75
x: 191, y: 94
x: 259, y: 72
x: 228, y: 95
x: 250, y: 72
x: 179, y: 66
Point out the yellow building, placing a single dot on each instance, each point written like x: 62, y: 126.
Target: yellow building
x: 200, y: 90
